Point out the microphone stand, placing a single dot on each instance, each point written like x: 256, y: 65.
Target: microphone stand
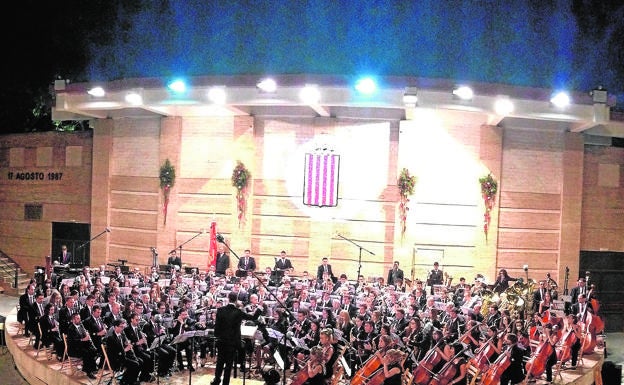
x: 359, y: 256
x: 106, y: 230
x: 184, y: 243
x: 221, y: 239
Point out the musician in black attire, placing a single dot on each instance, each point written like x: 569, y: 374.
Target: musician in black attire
x: 183, y: 324
x: 394, y: 274
x: 223, y: 261
x: 79, y: 344
x: 514, y: 373
x: 140, y: 348
x: 96, y: 328
x: 35, y: 312
x: 25, y: 301
x: 166, y: 353
x: 228, y: 334
x: 65, y: 314
x: 50, y: 332
x: 436, y: 277
x: 120, y: 354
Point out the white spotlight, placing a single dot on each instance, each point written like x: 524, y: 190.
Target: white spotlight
x: 310, y: 94
x: 178, y: 86
x: 267, y: 85
x: 560, y: 100
x: 217, y: 95
x: 97, y: 92
x: 366, y: 86
x: 503, y: 106
x: 463, y: 92
x: 134, y: 98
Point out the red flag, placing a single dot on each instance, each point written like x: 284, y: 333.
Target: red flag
x: 213, y: 245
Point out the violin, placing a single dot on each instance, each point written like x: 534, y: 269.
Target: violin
x: 493, y: 375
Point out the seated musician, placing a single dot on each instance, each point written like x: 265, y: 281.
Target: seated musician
x: 315, y: 368
x: 514, y: 374
x: 326, y: 343
x: 50, y: 332
x: 65, y: 314
x: 364, y: 343
x: 166, y: 353
x: 79, y: 344
x: 451, y: 354
x: 121, y: 355
x: 311, y: 339
x: 96, y: 328
x: 571, y: 323
x: 392, y: 368
x: 35, y: 312
x: 140, y: 347
x: 183, y: 324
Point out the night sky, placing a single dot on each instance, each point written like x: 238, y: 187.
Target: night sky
x: 526, y: 43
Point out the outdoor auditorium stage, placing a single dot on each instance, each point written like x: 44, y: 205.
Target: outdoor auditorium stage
x: 41, y: 371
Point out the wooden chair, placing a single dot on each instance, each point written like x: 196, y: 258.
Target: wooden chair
x: 49, y: 350
x: 472, y: 373
x: 107, y: 371
x: 73, y: 362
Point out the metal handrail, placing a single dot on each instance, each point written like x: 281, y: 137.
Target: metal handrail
x: 8, y: 269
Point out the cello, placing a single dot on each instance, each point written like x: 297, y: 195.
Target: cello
x: 485, y: 354
x: 424, y: 371
x: 370, y: 367
x: 537, y: 363
x: 493, y: 375
x: 565, y: 352
x: 449, y: 370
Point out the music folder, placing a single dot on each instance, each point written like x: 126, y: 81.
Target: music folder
x: 182, y: 337
x: 157, y: 341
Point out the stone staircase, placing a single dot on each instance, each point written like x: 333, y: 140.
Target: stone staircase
x: 8, y: 275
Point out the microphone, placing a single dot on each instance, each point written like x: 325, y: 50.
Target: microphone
x: 153, y: 249
x: 220, y: 238
x: 108, y: 230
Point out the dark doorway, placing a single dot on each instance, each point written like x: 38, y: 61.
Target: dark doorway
x: 76, y: 237
x: 605, y: 270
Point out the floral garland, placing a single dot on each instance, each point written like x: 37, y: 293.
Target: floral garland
x: 406, y: 184
x: 489, y: 188
x: 240, y: 180
x: 167, y: 180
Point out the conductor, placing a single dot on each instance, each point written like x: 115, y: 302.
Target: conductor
x: 228, y: 335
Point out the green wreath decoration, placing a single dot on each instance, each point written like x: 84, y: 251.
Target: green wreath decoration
x: 406, y: 184
x: 167, y: 180
x: 489, y: 188
x: 240, y: 179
